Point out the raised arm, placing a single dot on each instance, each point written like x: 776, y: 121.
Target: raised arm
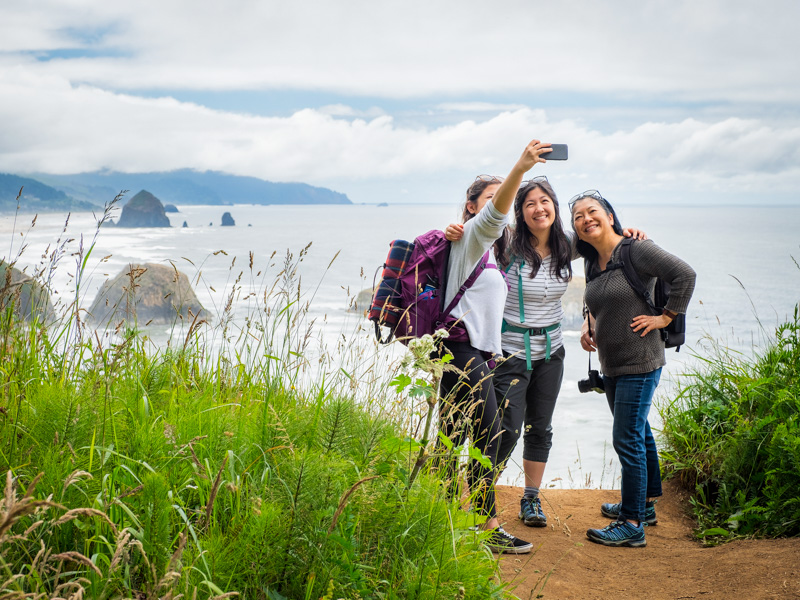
x: 535, y: 152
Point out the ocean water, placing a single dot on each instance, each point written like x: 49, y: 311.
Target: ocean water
x: 745, y: 257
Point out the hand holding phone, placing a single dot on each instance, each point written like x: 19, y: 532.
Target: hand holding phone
x: 560, y: 152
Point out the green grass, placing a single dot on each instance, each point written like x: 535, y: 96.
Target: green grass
x: 230, y: 461
x: 732, y: 436
x: 216, y: 479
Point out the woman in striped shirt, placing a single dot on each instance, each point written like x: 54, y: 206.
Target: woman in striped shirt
x: 527, y: 383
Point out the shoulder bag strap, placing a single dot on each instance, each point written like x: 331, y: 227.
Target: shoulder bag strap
x: 466, y: 285
x: 632, y: 276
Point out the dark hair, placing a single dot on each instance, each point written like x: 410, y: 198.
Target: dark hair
x: 585, y: 249
x: 524, y: 243
x: 473, y: 193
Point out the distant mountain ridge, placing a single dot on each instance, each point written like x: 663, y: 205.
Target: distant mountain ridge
x: 186, y: 186
x: 36, y: 196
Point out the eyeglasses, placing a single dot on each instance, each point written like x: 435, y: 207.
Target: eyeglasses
x: 537, y: 179
x: 588, y: 194
x: 490, y: 179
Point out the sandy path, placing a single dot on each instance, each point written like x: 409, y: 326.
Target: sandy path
x: 565, y: 565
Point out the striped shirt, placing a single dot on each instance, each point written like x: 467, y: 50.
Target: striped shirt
x: 542, y: 298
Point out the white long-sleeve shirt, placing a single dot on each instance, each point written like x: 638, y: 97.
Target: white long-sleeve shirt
x: 481, y: 306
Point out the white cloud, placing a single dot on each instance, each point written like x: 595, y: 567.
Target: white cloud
x: 477, y: 107
x: 53, y: 126
x: 716, y: 50
x: 461, y: 83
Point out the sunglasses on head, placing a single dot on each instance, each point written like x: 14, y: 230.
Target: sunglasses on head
x: 537, y: 179
x: 489, y: 179
x: 588, y: 194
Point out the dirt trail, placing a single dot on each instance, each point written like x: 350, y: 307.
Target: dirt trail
x: 673, y: 566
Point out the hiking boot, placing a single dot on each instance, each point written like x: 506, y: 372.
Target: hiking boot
x: 611, y: 511
x: 500, y: 540
x: 531, y: 513
x: 619, y: 533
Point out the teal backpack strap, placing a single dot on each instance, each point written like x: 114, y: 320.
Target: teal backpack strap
x: 527, y: 335
x: 528, y: 331
x: 510, y: 264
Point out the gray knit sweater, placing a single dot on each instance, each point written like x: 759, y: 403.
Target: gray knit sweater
x: 614, y: 304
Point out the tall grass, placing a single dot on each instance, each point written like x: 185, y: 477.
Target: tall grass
x: 229, y: 461
x: 732, y: 436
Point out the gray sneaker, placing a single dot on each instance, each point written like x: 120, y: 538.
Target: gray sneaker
x: 531, y: 513
x: 611, y: 511
x: 619, y: 533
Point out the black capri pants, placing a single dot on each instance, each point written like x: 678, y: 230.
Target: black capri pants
x: 529, y: 402
x: 468, y: 409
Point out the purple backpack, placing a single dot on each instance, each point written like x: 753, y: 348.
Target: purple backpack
x: 409, y: 300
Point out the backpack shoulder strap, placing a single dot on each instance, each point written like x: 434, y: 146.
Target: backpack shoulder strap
x: 510, y: 264
x: 443, y: 276
x: 631, y: 275
x: 479, y: 268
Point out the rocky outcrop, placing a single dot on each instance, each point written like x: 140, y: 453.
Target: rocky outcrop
x: 362, y: 301
x: 146, y: 294
x: 171, y: 208
x: 143, y: 210
x: 227, y: 220
x: 572, y: 301
x: 28, y: 297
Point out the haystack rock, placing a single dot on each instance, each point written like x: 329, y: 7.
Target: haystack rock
x: 572, y: 302
x: 227, y: 220
x: 29, y: 298
x: 147, y: 294
x: 143, y: 210
x: 362, y: 301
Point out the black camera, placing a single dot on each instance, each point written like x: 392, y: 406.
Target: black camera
x: 592, y: 383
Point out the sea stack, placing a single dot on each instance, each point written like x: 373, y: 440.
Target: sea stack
x: 29, y: 298
x: 143, y: 210
x: 160, y: 295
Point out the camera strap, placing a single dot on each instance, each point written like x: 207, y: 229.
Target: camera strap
x: 588, y: 318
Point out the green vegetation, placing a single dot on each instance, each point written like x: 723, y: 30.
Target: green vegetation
x: 733, y: 438
x: 181, y: 471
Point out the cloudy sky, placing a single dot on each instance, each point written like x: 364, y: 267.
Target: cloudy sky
x: 679, y: 101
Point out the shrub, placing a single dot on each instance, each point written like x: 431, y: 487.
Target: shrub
x: 732, y: 435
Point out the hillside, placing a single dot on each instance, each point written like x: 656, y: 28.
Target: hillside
x: 192, y: 187
x: 36, y: 197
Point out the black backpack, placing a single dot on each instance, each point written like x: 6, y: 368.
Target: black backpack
x: 674, y: 334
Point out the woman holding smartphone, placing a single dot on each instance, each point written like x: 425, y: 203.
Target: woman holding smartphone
x: 620, y: 325
x: 468, y: 405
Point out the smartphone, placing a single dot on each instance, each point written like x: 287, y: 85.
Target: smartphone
x: 559, y: 152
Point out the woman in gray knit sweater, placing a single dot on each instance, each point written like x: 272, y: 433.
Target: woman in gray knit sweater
x: 621, y: 326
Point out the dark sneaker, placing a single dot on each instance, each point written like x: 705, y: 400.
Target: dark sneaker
x: 619, y: 533
x: 611, y: 511
x: 500, y: 540
x: 531, y: 513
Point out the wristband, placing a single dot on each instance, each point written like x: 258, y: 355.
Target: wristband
x: 669, y: 313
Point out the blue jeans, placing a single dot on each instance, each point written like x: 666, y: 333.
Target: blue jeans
x: 629, y: 398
